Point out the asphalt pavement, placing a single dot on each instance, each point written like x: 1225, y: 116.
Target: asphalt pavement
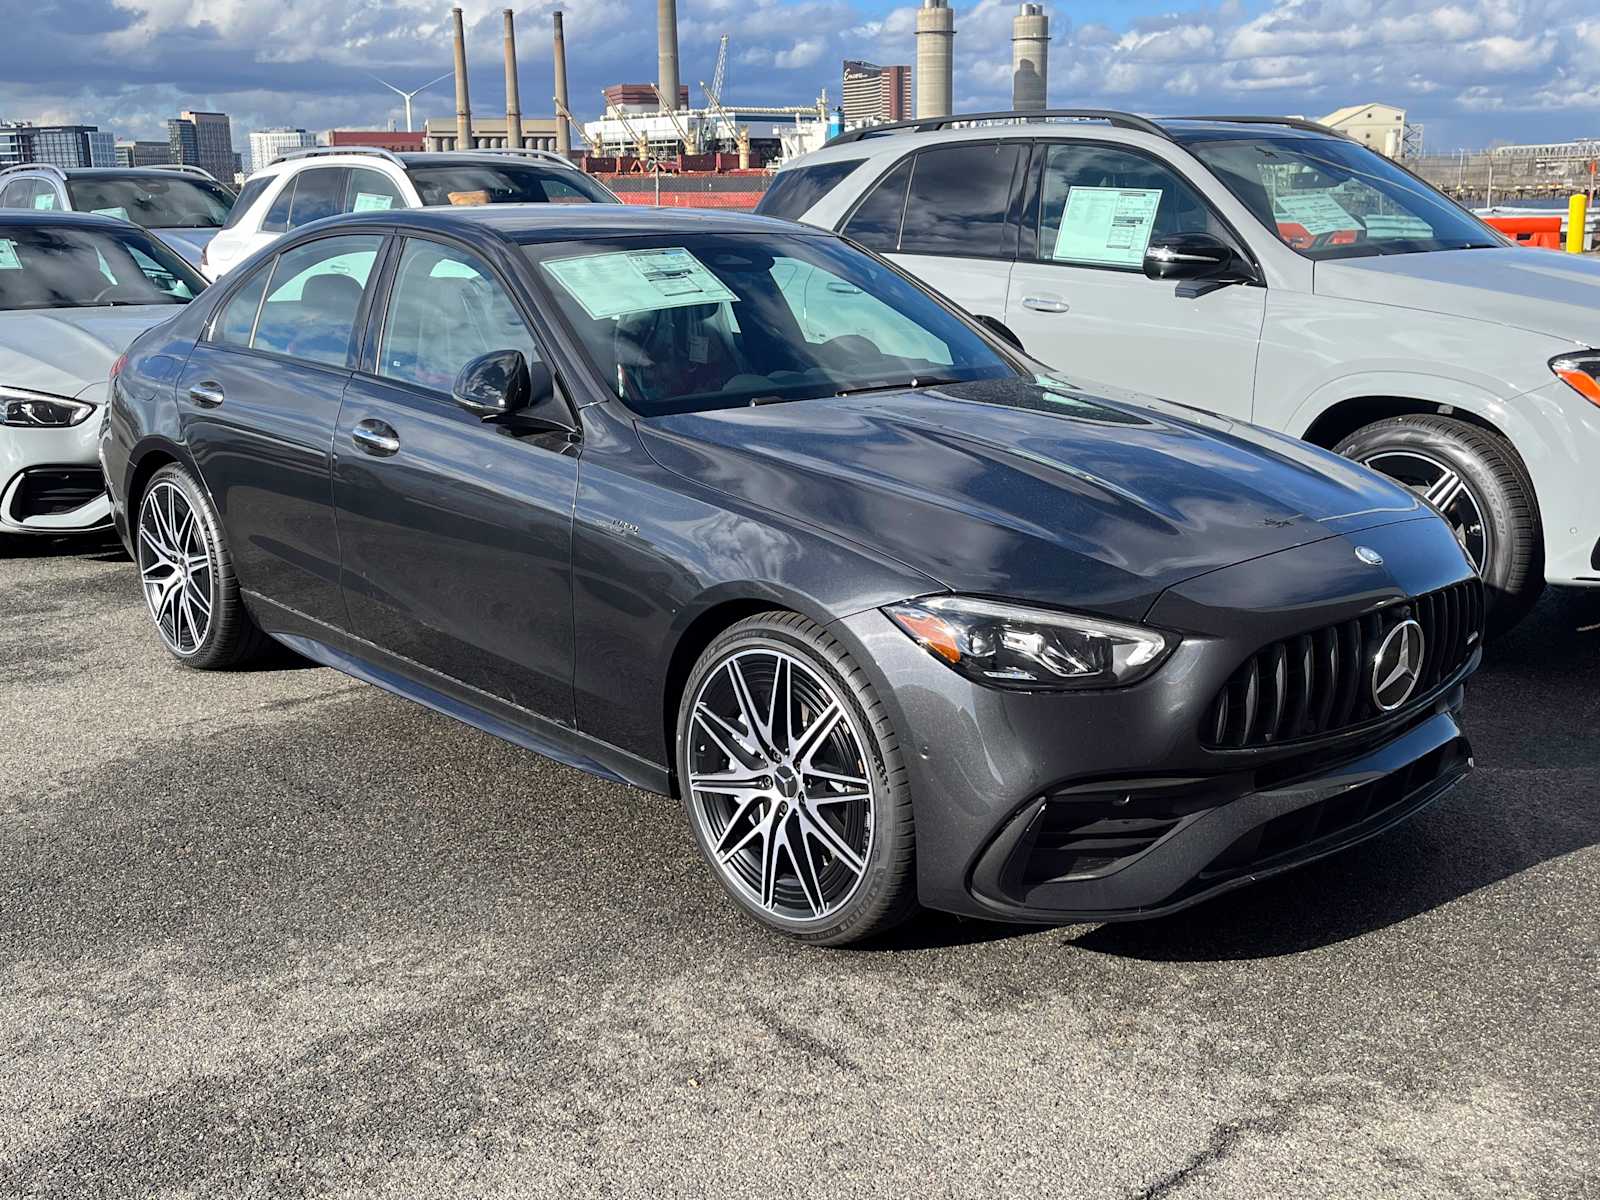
x: 277, y: 933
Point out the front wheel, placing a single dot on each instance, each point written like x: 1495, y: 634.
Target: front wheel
x: 1478, y: 482
x: 792, y: 777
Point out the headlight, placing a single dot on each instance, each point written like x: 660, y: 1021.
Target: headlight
x: 36, y: 410
x: 1030, y: 649
x: 1580, y: 372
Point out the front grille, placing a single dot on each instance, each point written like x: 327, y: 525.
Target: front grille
x: 1320, y: 682
x: 47, y: 491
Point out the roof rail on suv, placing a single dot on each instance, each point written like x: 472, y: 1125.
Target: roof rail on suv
x: 1121, y: 120
x: 187, y: 169
x: 1291, y: 122
x: 326, y: 151
x: 47, y: 168
x: 522, y: 152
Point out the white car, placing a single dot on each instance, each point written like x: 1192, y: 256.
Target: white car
x: 1266, y: 269
x: 75, y: 291
x: 182, y: 205
x: 307, y: 185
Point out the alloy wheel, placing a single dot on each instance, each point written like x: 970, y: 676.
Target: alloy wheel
x: 779, y: 784
x: 1443, y: 487
x: 177, y: 566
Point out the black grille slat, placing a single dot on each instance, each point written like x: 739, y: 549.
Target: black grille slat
x: 1319, y: 682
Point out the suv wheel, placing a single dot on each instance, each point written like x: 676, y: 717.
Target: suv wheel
x: 794, y: 785
x: 1477, y: 481
x: 187, y: 576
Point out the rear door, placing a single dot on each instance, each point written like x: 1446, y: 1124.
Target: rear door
x: 1079, y: 298
x: 260, y: 400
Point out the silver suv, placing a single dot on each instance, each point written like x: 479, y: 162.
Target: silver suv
x: 1266, y: 269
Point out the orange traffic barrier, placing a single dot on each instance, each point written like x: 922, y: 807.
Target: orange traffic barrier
x: 1543, y: 232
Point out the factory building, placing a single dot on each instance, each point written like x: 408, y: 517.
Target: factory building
x: 397, y: 140
x: 1380, y: 126
x: 490, y: 133
x: 874, y: 95
x: 1030, y: 50
x: 639, y: 97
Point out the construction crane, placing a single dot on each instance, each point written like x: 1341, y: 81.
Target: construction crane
x: 572, y: 122
x: 641, y: 143
x: 719, y: 75
x: 741, y: 135
x: 689, y: 138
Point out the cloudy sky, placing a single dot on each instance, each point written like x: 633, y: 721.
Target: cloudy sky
x: 1471, y: 71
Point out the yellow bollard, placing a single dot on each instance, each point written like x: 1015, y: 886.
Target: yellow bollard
x: 1576, y: 221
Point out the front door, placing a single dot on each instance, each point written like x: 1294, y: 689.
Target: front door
x: 259, y: 400
x: 1079, y: 299
x: 456, y: 534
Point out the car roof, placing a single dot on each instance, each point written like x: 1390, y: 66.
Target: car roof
x: 33, y: 217
x: 562, y: 222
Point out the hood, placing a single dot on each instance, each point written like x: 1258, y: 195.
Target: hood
x: 1539, y: 290
x: 1039, y: 493
x: 64, y: 350
x: 187, y: 242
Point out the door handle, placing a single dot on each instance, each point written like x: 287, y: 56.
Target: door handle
x: 207, y: 394
x: 1045, y: 304
x: 377, y: 438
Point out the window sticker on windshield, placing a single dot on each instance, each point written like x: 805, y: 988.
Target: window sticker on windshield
x: 1396, y: 225
x: 1109, y: 226
x: 1315, y: 212
x: 8, y: 256
x: 636, y: 281
x: 372, y: 202
x: 119, y: 212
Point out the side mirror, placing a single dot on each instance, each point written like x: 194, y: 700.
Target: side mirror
x: 1193, y: 256
x: 997, y: 327
x: 503, y: 387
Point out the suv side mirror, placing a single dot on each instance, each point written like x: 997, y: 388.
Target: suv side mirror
x: 503, y: 387
x: 1193, y: 256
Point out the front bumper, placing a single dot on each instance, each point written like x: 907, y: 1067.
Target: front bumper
x: 50, y: 481
x: 1102, y: 805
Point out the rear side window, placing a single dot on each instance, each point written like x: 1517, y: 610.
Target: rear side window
x: 959, y: 199
x: 312, y: 301
x: 318, y: 193
x: 876, y: 223
x: 795, y: 191
x: 278, y: 215
x: 16, y: 195
x: 250, y: 193
x: 238, y: 319
x: 371, y: 191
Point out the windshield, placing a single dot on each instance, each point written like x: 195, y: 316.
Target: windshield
x: 156, y: 202
x: 508, y: 183
x: 1329, y: 198
x: 687, y: 322
x: 45, y: 266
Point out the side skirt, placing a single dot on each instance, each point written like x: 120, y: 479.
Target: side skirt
x: 321, y: 643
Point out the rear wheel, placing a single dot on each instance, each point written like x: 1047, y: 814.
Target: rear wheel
x: 187, y: 576
x: 792, y: 778
x: 1476, y: 480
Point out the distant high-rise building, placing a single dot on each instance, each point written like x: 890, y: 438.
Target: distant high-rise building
x: 143, y: 154
x: 874, y: 94
x: 269, y: 144
x: 16, y: 143
x: 204, y: 139
x: 70, y: 145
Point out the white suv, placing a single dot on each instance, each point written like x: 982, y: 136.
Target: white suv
x: 1271, y: 270
x: 306, y: 185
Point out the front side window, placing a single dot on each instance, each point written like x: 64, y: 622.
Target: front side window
x: 44, y: 266
x: 156, y: 200
x: 1331, y: 198
x: 1100, y: 206
x: 689, y: 322
x: 44, y: 197
x: 318, y: 193
x: 797, y: 190
x: 371, y: 191
x: 446, y: 308
x: 313, y: 298
x: 237, y: 321
x: 960, y: 196
x: 504, y: 183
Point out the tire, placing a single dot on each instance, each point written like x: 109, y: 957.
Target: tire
x: 1477, y: 479
x: 785, y: 815
x: 195, y: 607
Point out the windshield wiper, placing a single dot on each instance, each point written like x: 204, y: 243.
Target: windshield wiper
x: 902, y: 386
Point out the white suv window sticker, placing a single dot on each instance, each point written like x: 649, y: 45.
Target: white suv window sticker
x: 1107, y: 226
x: 635, y: 281
x: 119, y: 212
x: 8, y: 256
x: 372, y: 201
x: 1315, y: 212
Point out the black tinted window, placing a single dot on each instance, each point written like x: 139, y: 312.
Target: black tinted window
x: 248, y: 196
x: 318, y: 193
x: 238, y: 319
x: 1100, y: 206
x: 278, y: 215
x: 311, y: 304
x: 876, y: 224
x: 793, y: 192
x: 959, y: 197
x: 156, y: 201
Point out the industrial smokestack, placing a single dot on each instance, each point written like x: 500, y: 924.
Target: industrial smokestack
x: 463, y: 100
x: 667, y: 50
x: 513, y: 92
x: 1030, y: 58
x: 563, y: 134
x: 936, y: 35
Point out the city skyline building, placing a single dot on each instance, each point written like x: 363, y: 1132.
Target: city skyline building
x: 874, y: 94
x: 267, y: 145
x: 205, y: 140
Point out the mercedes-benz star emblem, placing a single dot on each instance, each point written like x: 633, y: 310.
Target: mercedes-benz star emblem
x: 1397, y: 667
x: 1369, y: 556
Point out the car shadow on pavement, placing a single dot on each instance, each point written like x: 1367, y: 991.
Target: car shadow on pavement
x: 1533, y: 711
